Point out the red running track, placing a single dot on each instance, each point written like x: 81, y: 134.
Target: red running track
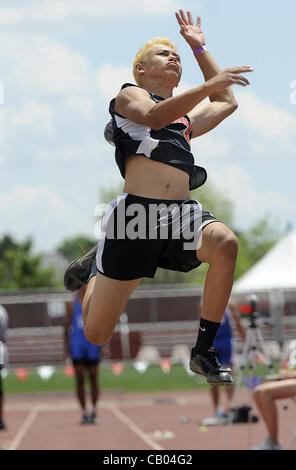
x: 154, y: 421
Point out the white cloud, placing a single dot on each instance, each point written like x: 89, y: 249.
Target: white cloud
x: 35, y: 115
x: 249, y: 201
x: 83, y: 104
x: 39, y: 64
x: 11, y: 15
x: 52, y: 114
x: 267, y: 120
x: 27, y: 195
x: 208, y: 146
x: 60, y: 10
x: 41, y: 212
x: 258, y: 148
x: 110, y: 78
x: 85, y: 150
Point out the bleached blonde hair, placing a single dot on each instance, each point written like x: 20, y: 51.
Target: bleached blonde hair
x: 141, y: 55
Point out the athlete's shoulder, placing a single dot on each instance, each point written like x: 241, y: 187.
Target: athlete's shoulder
x: 127, y: 94
x: 132, y: 91
x: 126, y: 85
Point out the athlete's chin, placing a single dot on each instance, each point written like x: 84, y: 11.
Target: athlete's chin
x: 173, y: 83
x: 173, y: 78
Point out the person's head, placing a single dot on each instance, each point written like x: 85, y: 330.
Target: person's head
x: 155, y: 57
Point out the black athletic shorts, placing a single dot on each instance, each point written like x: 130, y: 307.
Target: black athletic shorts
x: 140, y: 234
x: 85, y: 362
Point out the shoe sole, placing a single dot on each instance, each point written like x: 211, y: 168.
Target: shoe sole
x: 76, y: 282
x: 197, y: 370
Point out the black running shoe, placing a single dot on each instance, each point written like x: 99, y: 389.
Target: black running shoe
x: 208, y: 365
x: 93, y: 418
x: 85, y: 418
x: 77, y: 273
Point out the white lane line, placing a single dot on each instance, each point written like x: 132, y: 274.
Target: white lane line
x: 24, y: 428
x: 126, y: 420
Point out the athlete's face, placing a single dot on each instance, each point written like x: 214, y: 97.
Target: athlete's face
x: 162, y: 62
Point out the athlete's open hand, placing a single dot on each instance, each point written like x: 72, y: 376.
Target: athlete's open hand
x: 190, y: 32
x: 228, y: 77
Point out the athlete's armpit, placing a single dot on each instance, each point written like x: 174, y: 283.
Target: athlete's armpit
x: 208, y: 116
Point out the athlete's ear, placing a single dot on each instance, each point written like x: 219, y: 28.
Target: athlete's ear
x: 139, y: 69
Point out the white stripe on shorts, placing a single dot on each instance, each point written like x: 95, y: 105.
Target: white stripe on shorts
x: 111, y: 207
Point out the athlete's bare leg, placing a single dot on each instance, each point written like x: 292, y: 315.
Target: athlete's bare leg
x: 87, y: 297
x: 94, y: 386
x: 219, y: 249
x: 215, y: 395
x: 104, y: 302
x: 79, y: 380
x: 229, y: 390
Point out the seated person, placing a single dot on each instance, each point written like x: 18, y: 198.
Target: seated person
x: 265, y: 396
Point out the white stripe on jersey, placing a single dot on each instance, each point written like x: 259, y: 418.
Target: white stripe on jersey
x: 138, y: 132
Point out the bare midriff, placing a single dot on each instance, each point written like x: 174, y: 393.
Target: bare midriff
x: 148, y: 178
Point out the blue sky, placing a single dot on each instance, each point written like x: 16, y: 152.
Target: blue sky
x: 63, y: 60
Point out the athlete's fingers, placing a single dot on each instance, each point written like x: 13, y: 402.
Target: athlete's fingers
x: 241, y: 78
x: 190, y: 20
x: 244, y: 68
x: 235, y: 81
x: 198, y: 21
x: 183, y: 16
x: 179, y: 19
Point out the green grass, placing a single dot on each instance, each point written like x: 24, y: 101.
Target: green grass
x: 130, y: 380
x: 59, y: 382
x: 154, y: 379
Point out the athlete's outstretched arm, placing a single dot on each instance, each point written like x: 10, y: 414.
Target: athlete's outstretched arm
x: 135, y: 104
x: 223, y: 102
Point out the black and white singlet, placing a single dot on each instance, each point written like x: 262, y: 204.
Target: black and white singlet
x: 169, y: 145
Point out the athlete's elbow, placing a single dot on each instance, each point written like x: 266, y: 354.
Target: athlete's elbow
x: 230, y: 108
x: 233, y: 106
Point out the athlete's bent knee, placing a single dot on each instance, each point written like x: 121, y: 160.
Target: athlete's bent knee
x: 227, y: 248
x: 95, y: 337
